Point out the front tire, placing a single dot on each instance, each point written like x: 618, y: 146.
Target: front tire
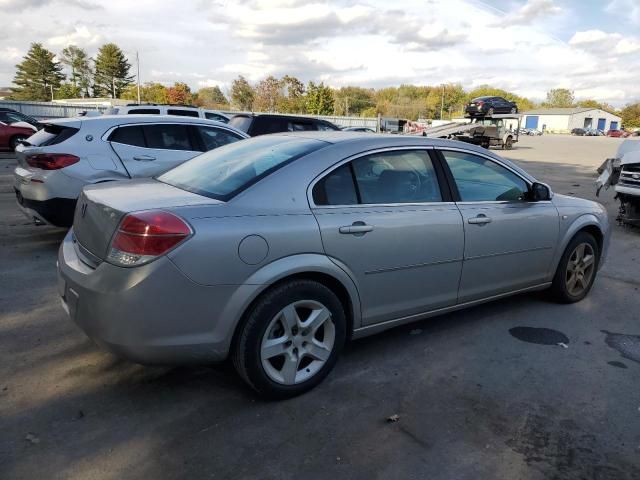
x: 577, y: 269
x: 490, y: 111
x: 290, y: 339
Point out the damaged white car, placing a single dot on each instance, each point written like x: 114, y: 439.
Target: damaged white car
x: 623, y: 172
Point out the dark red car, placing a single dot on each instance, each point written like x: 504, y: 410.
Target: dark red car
x: 15, y: 127
x: 617, y: 133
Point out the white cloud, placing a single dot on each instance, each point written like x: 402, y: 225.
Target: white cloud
x: 529, y: 12
x: 81, y: 36
x: 598, y: 41
x: 625, y: 9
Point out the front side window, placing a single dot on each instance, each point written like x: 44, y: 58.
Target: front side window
x: 168, y: 136
x: 325, y: 127
x: 226, y: 171
x: 402, y: 176
x: 216, y: 117
x: 215, y: 137
x: 300, y: 126
x: 481, y: 180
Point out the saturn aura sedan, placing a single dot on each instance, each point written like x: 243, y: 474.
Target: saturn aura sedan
x: 276, y: 250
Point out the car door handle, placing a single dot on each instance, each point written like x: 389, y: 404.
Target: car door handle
x: 357, y: 228
x: 479, y: 220
x: 144, y: 158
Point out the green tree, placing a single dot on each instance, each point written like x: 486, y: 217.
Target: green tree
x: 111, y: 71
x: 319, y: 99
x: 79, y: 63
x: 560, y: 97
x: 631, y: 116
x: 37, y: 75
x: 150, y: 92
x: 179, y: 94
x: 268, y: 93
x: 590, y: 103
x: 211, y: 97
x: 242, y: 93
x: 291, y: 99
x: 67, y: 90
x: 353, y: 100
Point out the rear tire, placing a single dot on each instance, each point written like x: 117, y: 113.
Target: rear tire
x: 514, y: 110
x: 508, y: 143
x: 280, y: 351
x: 577, y: 269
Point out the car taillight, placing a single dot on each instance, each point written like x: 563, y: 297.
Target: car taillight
x: 51, y: 161
x: 144, y: 236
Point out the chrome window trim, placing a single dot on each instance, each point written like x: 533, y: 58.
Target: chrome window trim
x: 335, y: 166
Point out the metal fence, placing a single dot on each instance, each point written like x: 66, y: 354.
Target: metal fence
x: 44, y: 110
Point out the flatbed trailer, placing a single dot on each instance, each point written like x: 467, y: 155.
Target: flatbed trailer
x: 486, y: 131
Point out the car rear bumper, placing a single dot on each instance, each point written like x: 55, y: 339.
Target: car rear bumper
x: 151, y: 314
x: 55, y: 211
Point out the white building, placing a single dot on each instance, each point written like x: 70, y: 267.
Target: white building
x: 563, y: 120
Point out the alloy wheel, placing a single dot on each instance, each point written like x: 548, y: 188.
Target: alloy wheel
x: 297, y: 342
x: 580, y: 268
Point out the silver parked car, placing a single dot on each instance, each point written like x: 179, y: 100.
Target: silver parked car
x: 58, y: 161
x: 277, y: 249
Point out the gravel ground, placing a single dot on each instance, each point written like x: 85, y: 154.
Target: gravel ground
x: 473, y: 401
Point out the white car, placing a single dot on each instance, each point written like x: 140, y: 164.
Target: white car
x: 58, y: 161
x: 179, y: 110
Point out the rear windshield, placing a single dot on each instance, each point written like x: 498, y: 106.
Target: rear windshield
x: 182, y: 113
x: 241, y: 123
x: 51, y: 135
x: 226, y: 171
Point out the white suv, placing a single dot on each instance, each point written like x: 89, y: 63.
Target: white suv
x: 179, y: 110
x: 58, y: 161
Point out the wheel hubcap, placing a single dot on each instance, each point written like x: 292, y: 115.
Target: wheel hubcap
x: 297, y: 342
x: 580, y: 269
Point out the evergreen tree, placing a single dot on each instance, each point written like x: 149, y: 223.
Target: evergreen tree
x: 78, y: 62
x: 319, y: 99
x: 37, y: 75
x: 111, y: 72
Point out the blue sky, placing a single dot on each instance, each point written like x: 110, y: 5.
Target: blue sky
x: 526, y: 46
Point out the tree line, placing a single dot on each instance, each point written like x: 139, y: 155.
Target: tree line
x: 42, y: 76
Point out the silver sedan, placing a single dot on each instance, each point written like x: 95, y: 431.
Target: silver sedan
x: 276, y: 250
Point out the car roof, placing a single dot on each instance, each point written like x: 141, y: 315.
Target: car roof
x: 138, y: 118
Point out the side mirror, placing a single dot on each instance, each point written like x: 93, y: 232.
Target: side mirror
x: 539, y: 192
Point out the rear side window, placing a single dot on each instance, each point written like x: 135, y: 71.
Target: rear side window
x: 241, y: 123
x: 216, y: 117
x: 224, y: 172
x: 215, y: 137
x: 182, y: 113
x: 144, y: 111
x: 168, y: 136
x: 337, y: 188
x: 52, y: 135
x: 129, y: 136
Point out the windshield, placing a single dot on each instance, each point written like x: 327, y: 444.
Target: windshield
x: 15, y: 117
x: 226, y: 171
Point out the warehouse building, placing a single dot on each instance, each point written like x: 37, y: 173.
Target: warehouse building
x: 563, y: 120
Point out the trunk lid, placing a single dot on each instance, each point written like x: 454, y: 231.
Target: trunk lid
x: 101, y: 207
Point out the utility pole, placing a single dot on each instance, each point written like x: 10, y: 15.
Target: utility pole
x: 113, y: 87
x: 346, y: 106
x: 51, y: 88
x: 138, y: 75
x: 442, y: 103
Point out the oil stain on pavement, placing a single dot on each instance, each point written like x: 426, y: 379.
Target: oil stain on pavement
x: 540, y: 336
x: 627, y: 345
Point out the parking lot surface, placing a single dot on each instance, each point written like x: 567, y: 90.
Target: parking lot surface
x: 473, y: 398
